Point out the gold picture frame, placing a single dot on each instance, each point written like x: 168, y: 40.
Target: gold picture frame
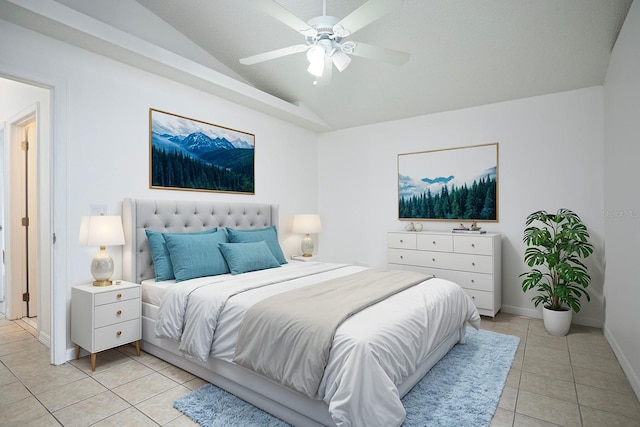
x: 193, y: 155
x: 451, y: 184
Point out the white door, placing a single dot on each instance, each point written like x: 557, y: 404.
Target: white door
x: 22, y: 219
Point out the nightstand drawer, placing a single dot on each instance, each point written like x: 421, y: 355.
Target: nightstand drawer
x: 116, y: 295
x: 116, y: 335
x: 108, y: 314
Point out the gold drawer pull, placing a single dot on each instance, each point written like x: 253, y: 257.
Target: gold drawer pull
x: 118, y: 313
x: 119, y: 296
x: 118, y: 333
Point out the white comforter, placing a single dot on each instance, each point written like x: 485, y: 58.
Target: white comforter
x: 372, y: 352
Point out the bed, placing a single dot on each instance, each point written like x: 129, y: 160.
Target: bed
x: 377, y: 355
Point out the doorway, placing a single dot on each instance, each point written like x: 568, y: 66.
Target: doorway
x: 25, y: 113
x: 22, y: 217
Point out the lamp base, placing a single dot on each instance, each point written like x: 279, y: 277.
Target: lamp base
x: 102, y: 283
x: 307, y: 246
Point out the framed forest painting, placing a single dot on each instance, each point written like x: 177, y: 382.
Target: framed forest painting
x: 189, y: 154
x: 452, y: 184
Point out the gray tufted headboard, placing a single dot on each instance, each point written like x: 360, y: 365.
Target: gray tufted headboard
x: 181, y: 216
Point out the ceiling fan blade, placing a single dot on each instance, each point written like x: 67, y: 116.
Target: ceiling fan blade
x: 367, y: 13
x: 391, y: 56
x: 278, y: 53
x: 284, y: 16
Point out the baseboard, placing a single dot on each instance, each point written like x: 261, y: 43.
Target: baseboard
x: 632, y: 375
x: 537, y: 314
x: 44, y: 339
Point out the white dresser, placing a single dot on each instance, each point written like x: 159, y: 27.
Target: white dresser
x: 105, y: 317
x: 471, y: 260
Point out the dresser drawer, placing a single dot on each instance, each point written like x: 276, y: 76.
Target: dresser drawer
x: 472, y: 263
x: 406, y: 256
x: 116, y: 335
x: 473, y: 245
x: 116, y: 295
x: 401, y: 240
x: 108, y: 314
x: 482, y: 300
x: 477, y: 281
x: 435, y: 242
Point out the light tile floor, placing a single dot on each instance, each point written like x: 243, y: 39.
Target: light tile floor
x: 569, y: 381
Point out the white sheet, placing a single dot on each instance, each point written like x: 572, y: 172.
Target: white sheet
x: 373, y: 351
x: 153, y: 292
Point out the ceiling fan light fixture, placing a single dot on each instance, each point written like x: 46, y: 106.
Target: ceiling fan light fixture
x: 340, y: 60
x: 348, y: 47
x: 316, y: 56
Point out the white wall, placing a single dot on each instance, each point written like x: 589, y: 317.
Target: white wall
x: 106, y: 148
x: 550, y: 151
x: 621, y: 201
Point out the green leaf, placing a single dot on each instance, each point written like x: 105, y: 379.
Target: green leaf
x: 556, y: 245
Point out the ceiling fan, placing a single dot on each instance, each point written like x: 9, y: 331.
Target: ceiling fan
x: 324, y: 37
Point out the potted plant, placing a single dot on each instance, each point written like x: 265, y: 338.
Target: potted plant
x: 556, y: 244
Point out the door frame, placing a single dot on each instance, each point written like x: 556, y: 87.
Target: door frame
x: 53, y: 196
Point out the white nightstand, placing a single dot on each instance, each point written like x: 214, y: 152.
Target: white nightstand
x: 103, y: 317
x: 305, y: 258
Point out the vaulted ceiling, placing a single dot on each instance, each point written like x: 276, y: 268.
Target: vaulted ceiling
x: 464, y: 53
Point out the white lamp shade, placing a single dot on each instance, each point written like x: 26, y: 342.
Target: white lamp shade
x: 101, y: 230
x: 316, y: 55
x: 340, y: 60
x: 307, y: 224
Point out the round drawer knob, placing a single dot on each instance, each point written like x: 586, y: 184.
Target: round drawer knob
x: 433, y: 259
x: 473, y: 281
x: 401, y: 241
x: 473, y: 297
x: 118, y: 333
x: 473, y: 263
x: 119, y: 296
x: 473, y: 245
x: 434, y: 242
x: 118, y: 313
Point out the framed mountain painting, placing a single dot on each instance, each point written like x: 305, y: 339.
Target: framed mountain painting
x: 452, y: 184
x: 189, y: 154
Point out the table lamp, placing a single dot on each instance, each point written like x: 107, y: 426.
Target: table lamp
x: 101, y: 231
x: 307, y: 224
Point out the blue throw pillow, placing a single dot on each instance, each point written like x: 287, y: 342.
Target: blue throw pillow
x: 268, y: 234
x: 244, y: 257
x: 196, y: 255
x: 160, y: 254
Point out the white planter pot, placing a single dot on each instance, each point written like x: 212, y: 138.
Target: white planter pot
x: 557, y: 323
